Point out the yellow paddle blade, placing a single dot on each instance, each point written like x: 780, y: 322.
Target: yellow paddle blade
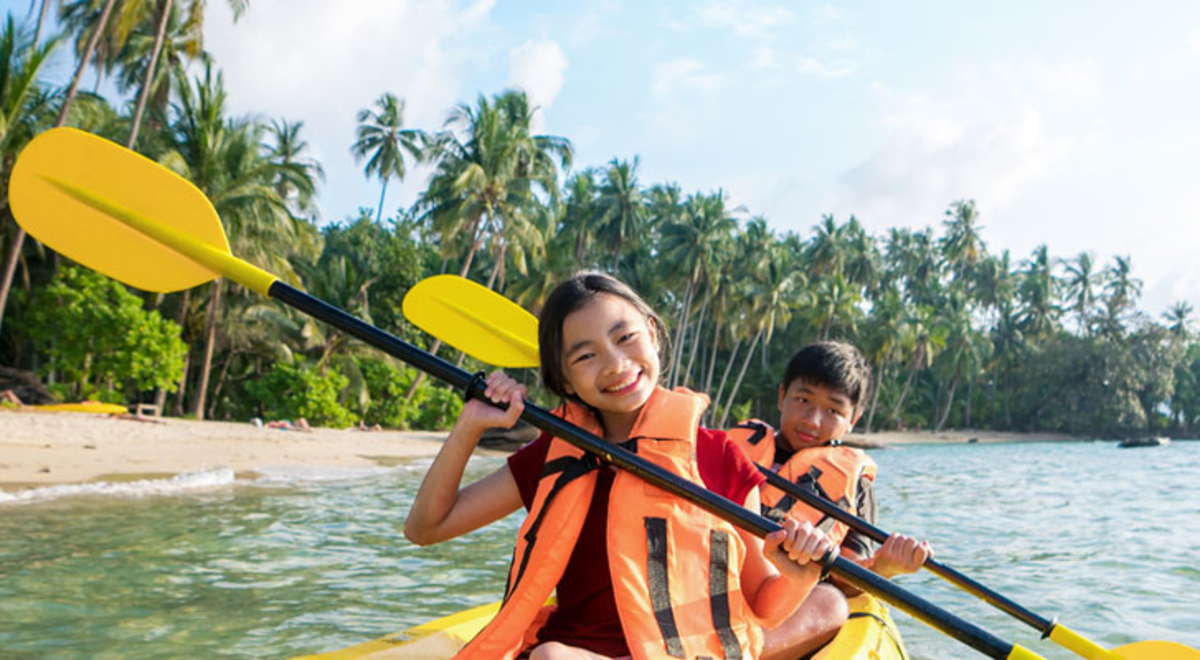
x: 1157, y: 650
x: 77, y: 193
x: 475, y: 320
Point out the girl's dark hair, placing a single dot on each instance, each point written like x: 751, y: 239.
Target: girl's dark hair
x: 571, y: 296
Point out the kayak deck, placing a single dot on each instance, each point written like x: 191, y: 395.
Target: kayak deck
x: 870, y: 634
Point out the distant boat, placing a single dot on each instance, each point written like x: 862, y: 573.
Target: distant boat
x: 1147, y: 441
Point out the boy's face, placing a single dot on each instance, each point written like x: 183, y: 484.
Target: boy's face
x: 812, y: 415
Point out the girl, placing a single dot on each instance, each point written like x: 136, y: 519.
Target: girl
x: 637, y: 572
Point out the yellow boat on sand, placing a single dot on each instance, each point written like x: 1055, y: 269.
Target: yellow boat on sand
x: 870, y: 634
x: 84, y: 407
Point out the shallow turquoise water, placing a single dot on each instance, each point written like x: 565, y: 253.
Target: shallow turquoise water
x: 1108, y: 540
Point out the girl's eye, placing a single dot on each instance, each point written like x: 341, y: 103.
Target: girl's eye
x: 581, y: 357
x: 625, y: 337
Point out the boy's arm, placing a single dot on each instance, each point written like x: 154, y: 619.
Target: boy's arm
x: 899, y: 555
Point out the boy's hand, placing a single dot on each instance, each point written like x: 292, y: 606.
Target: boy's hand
x: 900, y: 555
x: 798, y: 545
x: 501, y: 388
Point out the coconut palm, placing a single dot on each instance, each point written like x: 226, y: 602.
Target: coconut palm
x: 383, y: 141
x: 1038, y: 292
x: 296, y: 171
x: 1121, y: 292
x: 1081, y: 281
x: 224, y: 158
x: 621, y: 207
x: 1179, y: 320
x: 692, y: 248
x: 925, y: 336
x: 962, y: 246
x: 20, y: 61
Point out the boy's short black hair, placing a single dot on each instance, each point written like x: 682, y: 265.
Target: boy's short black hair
x: 832, y: 364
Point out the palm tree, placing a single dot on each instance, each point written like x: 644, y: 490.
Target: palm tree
x: 772, y: 291
x: 691, y: 247
x: 1179, y: 318
x: 382, y: 139
x: 225, y: 160
x: 835, y: 299
x: 1121, y: 291
x: 20, y: 61
x: 1038, y: 292
x: 484, y: 189
x: 1081, y: 283
x: 962, y: 245
x: 621, y: 207
x: 579, y: 213
x: 296, y: 171
x: 964, y: 353
x: 925, y: 335
x: 829, y: 248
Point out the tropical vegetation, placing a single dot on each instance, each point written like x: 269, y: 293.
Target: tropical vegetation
x: 958, y: 335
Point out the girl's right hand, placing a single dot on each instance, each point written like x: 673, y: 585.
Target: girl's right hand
x: 797, y: 545
x: 479, y: 415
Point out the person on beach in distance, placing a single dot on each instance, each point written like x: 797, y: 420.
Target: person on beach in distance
x: 600, y: 538
x: 820, y: 400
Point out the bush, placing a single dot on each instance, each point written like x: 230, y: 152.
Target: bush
x: 98, y: 339
x: 433, y: 407
x: 291, y: 391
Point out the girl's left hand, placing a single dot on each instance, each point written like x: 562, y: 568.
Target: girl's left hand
x: 900, y: 555
x: 797, y: 545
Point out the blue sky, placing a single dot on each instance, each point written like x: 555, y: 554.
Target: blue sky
x: 1069, y: 123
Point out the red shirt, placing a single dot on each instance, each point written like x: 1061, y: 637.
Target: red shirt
x: 587, y: 609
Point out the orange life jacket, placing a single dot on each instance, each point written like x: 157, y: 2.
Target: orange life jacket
x: 831, y: 471
x: 675, y: 567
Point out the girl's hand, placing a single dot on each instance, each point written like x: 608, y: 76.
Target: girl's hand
x: 796, y: 546
x: 480, y: 415
x: 900, y: 555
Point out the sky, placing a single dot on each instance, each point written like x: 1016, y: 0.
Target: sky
x: 1070, y: 123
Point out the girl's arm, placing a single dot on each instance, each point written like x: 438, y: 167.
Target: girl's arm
x: 442, y: 510
x: 780, y: 572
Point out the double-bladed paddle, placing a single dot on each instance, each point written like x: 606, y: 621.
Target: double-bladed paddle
x: 124, y: 215
x: 495, y: 330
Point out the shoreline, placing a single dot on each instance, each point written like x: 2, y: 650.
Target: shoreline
x: 40, y: 449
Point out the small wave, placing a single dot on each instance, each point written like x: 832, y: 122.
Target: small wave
x: 300, y: 474
x: 188, y: 481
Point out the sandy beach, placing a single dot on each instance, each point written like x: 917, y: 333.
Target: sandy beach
x: 42, y: 448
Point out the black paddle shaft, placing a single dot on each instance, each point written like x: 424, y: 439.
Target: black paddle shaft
x: 964, y: 631
x: 951, y: 575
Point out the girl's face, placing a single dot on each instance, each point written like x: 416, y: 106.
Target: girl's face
x: 610, y: 355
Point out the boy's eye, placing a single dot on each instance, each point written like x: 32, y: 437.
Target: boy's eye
x: 625, y: 337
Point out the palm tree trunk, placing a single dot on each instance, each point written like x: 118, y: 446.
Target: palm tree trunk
x: 37, y: 34
x: 687, y: 373
x: 379, y: 213
x: 14, y: 252
x: 883, y: 364
x: 737, y: 384
x: 949, y: 404
x: 737, y: 345
x: 680, y: 333
x: 970, y: 396
x: 912, y: 372
x: 147, y: 83
x: 210, y: 343
x: 712, y: 359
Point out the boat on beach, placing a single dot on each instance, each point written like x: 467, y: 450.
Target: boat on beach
x: 1145, y: 441
x: 870, y: 634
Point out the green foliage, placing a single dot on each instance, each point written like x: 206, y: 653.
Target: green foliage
x: 95, y: 335
x: 432, y: 407
x: 290, y: 391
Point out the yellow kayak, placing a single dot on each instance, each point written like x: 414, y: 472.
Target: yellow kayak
x: 85, y: 407
x: 870, y: 634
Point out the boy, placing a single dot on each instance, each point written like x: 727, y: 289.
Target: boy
x: 820, y: 399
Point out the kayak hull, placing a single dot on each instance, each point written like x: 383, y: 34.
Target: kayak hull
x: 84, y: 407
x: 870, y: 634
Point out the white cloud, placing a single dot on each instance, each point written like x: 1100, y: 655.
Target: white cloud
x: 989, y: 135
x: 539, y: 68
x: 809, y: 66
x: 750, y: 20
x: 322, y: 62
x: 683, y: 75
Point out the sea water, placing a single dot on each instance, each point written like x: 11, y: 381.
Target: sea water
x: 302, y: 561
